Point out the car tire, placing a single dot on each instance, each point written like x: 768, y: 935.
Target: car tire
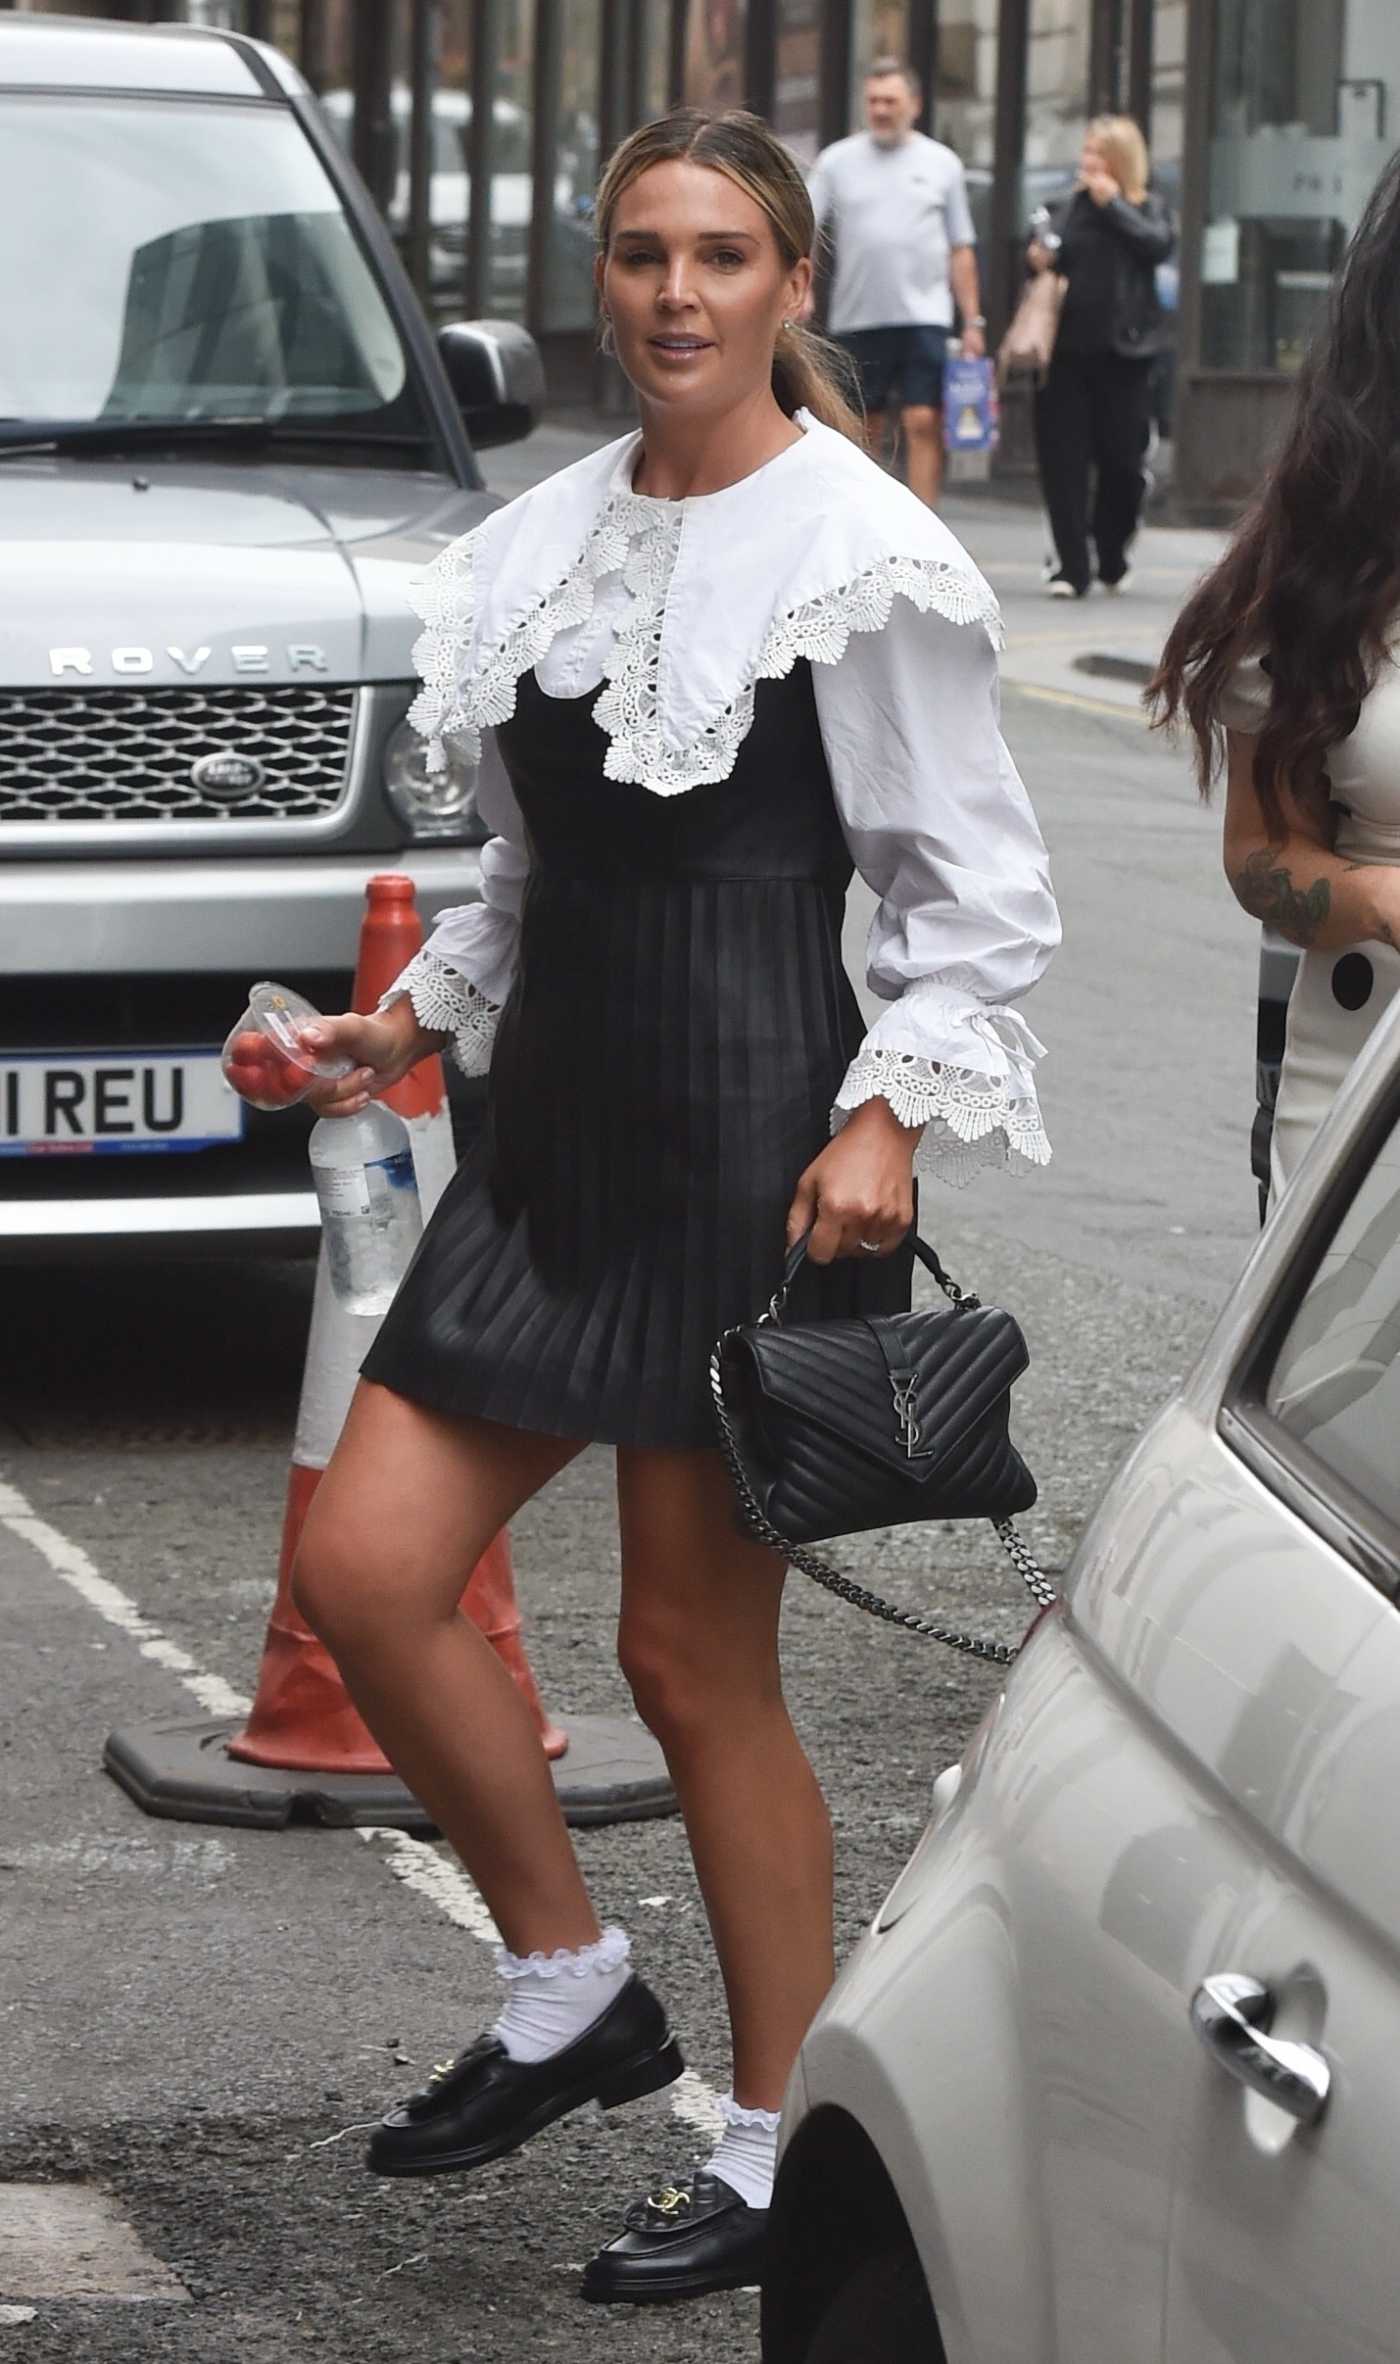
x: 880, y: 2315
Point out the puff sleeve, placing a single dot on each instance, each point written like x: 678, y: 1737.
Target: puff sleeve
x: 939, y: 825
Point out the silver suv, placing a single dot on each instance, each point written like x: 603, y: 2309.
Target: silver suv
x: 228, y: 440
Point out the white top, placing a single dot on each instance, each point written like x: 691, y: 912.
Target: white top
x: 893, y: 214
x: 674, y: 610
x: 1363, y: 770
x: 1325, y: 1032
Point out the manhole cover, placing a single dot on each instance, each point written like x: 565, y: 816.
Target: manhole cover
x: 68, y: 2240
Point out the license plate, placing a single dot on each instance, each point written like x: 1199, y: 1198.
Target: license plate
x: 54, y: 1104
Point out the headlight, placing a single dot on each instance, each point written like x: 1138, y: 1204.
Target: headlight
x: 430, y: 804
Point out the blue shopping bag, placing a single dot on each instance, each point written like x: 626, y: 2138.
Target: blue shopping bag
x: 971, y: 416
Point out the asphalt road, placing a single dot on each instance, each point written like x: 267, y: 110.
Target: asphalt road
x: 192, y: 2018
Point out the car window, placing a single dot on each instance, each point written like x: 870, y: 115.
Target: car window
x: 1335, y: 1384
x: 208, y: 270
x: 450, y: 135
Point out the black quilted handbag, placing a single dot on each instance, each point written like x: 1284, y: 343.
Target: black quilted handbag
x: 830, y: 1428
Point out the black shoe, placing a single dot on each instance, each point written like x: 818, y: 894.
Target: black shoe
x: 680, y: 2243
x: 486, y: 2104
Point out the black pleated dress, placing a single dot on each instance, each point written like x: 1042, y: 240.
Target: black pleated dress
x: 664, y: 1069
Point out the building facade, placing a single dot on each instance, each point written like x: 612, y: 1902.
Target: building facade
x: 1268, y: 122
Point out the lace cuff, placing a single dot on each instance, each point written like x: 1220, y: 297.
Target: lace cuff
x: 969, y: 1084
x: 448, y: 1002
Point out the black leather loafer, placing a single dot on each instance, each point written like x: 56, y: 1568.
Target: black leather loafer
x: 486, y: 2104
x: 679, y: 2243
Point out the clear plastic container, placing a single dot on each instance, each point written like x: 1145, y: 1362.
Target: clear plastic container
x: 264, y: 1060
x: 361, y: 1166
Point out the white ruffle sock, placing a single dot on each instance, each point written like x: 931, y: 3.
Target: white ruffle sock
x: 554, y: 1998
x: 747, y: 2157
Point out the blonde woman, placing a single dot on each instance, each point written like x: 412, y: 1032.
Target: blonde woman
x: 726, y: 659
x: 1094, y: 411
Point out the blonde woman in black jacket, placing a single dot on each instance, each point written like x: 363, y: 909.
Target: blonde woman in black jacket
x: 1094, y: 410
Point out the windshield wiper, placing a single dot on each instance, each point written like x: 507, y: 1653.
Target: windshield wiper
x: 102, y: 435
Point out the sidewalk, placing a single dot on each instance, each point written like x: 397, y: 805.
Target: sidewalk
x: 1100, y: 649
x: 1097, y: 651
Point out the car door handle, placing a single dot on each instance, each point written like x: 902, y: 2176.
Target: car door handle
x: 1231, y: 2014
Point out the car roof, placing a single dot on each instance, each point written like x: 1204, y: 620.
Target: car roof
x: 84, y: 53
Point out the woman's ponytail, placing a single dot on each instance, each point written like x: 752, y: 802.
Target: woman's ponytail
x: 810, y: 373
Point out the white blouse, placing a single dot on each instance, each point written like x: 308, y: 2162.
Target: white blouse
x: 674, y: 610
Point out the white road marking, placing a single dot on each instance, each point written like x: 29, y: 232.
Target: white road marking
x: 70, y: 2240
x: 435, y: 1876
x: 195, y: 1861
x: 67, y: 1560
x: 413, y: 1862
x: 1129, y: 710
x: 693, y: 2102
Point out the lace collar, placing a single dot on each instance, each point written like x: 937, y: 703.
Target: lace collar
x: 726, y: 589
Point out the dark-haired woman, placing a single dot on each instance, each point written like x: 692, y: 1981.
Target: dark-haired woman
x: 725, y: 659
x: 1283, y: 665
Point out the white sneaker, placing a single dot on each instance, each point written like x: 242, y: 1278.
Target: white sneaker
x: 1122, y: 583
x: 1058, y: 588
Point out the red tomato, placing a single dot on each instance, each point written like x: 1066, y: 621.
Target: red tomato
x: 261, y: 1073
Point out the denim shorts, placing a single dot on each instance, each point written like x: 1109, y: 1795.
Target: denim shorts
x: 900, y: 368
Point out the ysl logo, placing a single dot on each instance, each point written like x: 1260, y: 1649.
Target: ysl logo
x: 906, y: 1414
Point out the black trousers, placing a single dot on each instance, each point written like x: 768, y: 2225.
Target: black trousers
x: 1093, y: 411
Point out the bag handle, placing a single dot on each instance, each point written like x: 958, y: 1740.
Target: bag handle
x: 807, y: 1562
x: 797, y: 1256
x: 1037, y: 1583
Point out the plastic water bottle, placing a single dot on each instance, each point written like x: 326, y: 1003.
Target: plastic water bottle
x: 371, y: 1218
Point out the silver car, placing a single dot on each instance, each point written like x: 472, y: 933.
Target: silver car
x: 1114, y: 2076
x: 228, y: 442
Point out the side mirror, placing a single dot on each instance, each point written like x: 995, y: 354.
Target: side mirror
x: 497, y: 377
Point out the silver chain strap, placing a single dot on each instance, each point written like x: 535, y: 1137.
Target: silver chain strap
x: 1032, y: 1575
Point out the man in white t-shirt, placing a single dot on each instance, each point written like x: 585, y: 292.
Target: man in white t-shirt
x: 893, y: 204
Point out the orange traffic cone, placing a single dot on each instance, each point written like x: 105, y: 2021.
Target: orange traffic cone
x: 301, y: 1718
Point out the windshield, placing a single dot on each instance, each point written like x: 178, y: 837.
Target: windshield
x: 180, y: 261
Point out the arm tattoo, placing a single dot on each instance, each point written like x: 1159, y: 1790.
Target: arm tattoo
x: 1266, y: 890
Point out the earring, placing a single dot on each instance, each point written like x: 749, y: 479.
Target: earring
x: 605, y: 343
x: 787, y: 324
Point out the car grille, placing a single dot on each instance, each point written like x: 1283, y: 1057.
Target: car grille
x: 92, y: 756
